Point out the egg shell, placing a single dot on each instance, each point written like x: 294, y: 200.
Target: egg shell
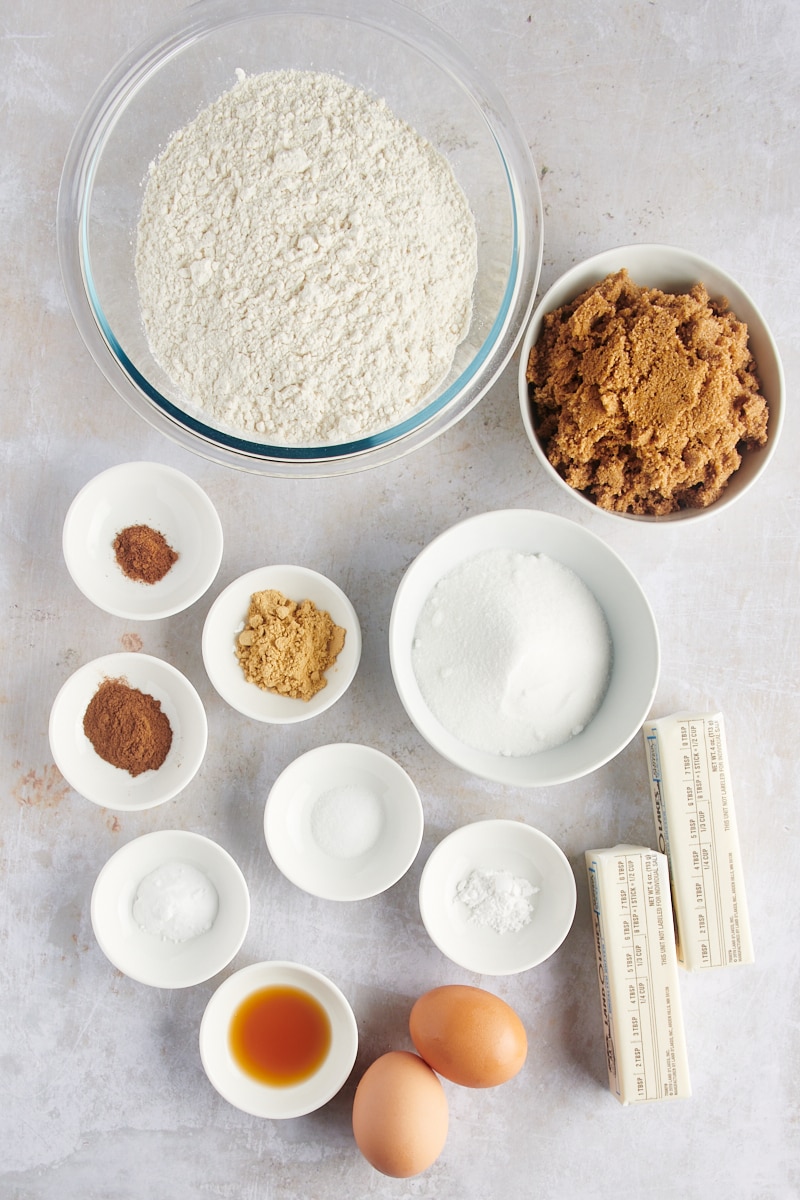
x: 400, y: 1115
x: 468, y: 1035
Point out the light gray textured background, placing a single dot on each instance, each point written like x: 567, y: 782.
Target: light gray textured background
x: 670, y: 121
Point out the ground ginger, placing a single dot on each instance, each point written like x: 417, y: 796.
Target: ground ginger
x: 642, y: 400
x: 286, y: 646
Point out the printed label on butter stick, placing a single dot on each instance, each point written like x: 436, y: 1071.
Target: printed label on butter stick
x: 637, y: 974
x: 696, y: 824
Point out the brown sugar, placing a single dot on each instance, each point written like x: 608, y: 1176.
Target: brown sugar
x: 287, y: 646
x: 642, y: 400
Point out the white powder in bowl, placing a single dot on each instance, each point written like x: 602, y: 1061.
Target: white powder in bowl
x: 305, y: 261
x: 347, y: 820
x: 512, y: 653
x: 175, y: 902
x: 497, y: 899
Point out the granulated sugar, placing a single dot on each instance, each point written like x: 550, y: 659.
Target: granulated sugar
x: 305, y: 261
x: 512, y: 653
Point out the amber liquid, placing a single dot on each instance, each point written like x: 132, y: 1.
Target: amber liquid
x: 280, y: 1035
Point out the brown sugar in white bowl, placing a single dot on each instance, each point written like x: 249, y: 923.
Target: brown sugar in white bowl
x: 674, y: 271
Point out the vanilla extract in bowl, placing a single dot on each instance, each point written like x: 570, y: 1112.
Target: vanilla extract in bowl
x: 280, y: 1035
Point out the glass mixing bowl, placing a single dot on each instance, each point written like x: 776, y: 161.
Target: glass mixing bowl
x: 376, y: 45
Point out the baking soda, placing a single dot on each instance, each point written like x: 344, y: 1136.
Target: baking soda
x: 175, y: 902
x: 512, y: 653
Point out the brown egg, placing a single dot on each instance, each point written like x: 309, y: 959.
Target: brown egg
x: 468, y: 1035
x: 400, y: 1115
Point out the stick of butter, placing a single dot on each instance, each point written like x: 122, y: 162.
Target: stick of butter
x: 696, y: 824
x: 638, y: 974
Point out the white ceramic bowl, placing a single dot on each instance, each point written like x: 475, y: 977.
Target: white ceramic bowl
x: 525, y: 853
x: 634, y: 637
x: 677, y: 271
x: 99, y: 781
x: 142, y: 493
x: 144, y: 956
x: 377, y: 45
x: 226, y: 619
x: 260, y: 1099
x: 343, y: 822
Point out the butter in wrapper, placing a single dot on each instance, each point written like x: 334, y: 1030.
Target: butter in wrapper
x: 690, y: 786
x: 638, y: 976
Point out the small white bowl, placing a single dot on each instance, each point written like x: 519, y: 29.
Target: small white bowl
x: 634, y: 637
x: 510, y: 846
x: 142, y: 493
x: 226, y: 619
x: 343, y: 822
x: 673, y: 270
x: 142, y: 955
x: 99, y: 781
x: 261, y: 1099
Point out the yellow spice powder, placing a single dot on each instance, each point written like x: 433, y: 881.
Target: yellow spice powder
x: 287, y: 646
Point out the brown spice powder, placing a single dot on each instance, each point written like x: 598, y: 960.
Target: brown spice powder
x: 127, y: 727
x: 644, y: 400
x: 143, y: 554
x: 286, y: 646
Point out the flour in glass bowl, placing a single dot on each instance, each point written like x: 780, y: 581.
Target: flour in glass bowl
x: 305, y: 261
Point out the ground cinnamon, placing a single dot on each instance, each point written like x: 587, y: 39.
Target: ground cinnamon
x: 143, y: 554
x: 127, y: 728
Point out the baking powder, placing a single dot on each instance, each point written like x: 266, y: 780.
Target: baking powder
x: 497, y: 899
x: 305, y: 261
x: 512, y: 653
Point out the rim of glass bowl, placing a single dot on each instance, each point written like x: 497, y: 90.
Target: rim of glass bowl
x: 88, y: 143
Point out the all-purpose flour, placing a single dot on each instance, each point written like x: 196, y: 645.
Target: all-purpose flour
x: 305, y: 260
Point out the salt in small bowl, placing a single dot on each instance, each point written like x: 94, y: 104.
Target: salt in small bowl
x: 343, y: 822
